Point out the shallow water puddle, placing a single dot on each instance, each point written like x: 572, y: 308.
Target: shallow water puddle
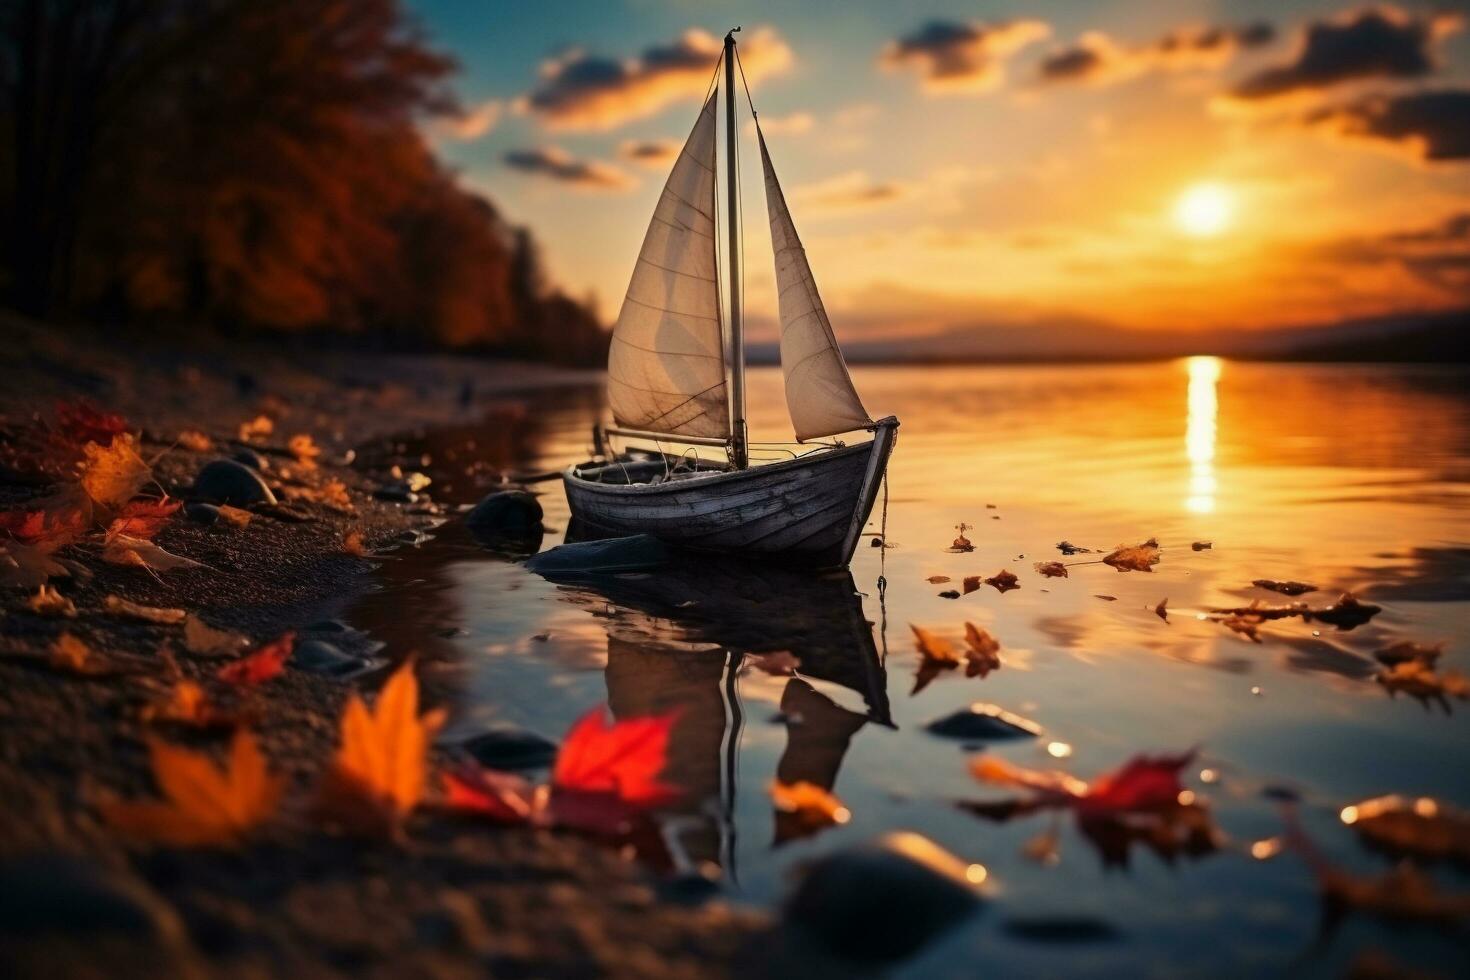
x: 1350, y: 478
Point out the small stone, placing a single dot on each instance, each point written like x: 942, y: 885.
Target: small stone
x: 321, y: 657
x: 949, y: 594
x: 610, y: 556
x: 201, y: 513
x: 883, y: 900
x: 252, y: 459
x: 225, y: 481
x: 396, y: 492
x: 509, y: 512
x: 984, y: 721
x: 876, y: 543
x: 510, y: 748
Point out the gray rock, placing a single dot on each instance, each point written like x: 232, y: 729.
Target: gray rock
x: 201, y: 513
x: 984, y: 721
x: 506, y: 512
x: 225, y: 481
x: 610, y: 556
x: 396, y: 492
x: 510, y: 748
x: 883, y: 900
x: 252, y: 459
x: 321, y: 657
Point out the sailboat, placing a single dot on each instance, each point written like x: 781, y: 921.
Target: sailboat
x: 676, y: 374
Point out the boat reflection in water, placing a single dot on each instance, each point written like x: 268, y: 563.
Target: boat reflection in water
x: 684, y: 638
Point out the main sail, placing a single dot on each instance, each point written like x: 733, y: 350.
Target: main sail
x: 666, y: 366
x: 819, y: 391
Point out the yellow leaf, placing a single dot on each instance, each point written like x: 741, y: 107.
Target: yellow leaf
x: 113, y: 475
x: 195, y: 441
x: 352, y: 544
x: 812, y: 804
x: 257, y: 428
x: 149, y: 614
x: 381, y: 767
x: 305, y: 449
x: 203, y: 804
x: 70, y: 654
x: 122, y: 549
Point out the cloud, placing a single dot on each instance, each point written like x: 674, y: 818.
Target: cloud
x: 550, y: 161
x: 852, y: 191
x: 1431, y: 126
x: 1436, y: 255
x: 1096, y: 60
x: 961, y: 58
x: 1376, y: 42
x: 653, y: 154
x: 796, y: 122
x: 471, y: 123
x: 581, y: 91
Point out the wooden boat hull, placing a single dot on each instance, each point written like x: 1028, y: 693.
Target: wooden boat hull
x: 807, y: 511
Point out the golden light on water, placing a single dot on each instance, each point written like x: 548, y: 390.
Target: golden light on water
x: 1204, y: 210
x: 1199, y: 433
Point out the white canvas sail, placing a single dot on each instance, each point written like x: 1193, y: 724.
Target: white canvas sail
x: 666, y: 367
x: 819, y: 391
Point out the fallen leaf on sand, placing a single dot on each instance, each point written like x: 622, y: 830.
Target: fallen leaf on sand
x: 334, y: 494
x: 812, y: 806
x: 25, y: 567
x: 606, y: 774
x: 1422, y: 827
x: 112, y: 475
x: 48, y: 602
x: 204, y: 640
x: 1052, y: 569
x: 938, y: 579
x: 381, y: 767
x: 71, y: 655
x: 1201, y: 545
x: 305, y: 449
x: 257, y: 428
x: 1162, y: 609
x: 1134, y: 558
x: 51, y: 522
x: 501, y: 797
x: 352, y: 545
x: 203, y: 804
x: 148, y: 614
x: 124, y: 550
x: 143, y: 518
x: 1003, y: 581
x: 982, y: 651
x: 187, y: 704
x: 82, y: 422
x: 234, y: 515
x: 262, y: 664
x: 1405, y: 650
x: 1285, y: 588
x: 778, y: 663
x: 195, y: 441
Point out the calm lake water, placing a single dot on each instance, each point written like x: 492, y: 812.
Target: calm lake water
x: 1354, y: 478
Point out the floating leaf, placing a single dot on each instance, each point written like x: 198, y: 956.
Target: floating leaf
x: 1419, y: 680
x: 381, y: 767
x: 1143, y: 783
x: 1135, y: 558
x: 143, y: 518
x: 1003, y: 581
x: 122, y: 549
x: 971, y: 583
x: 1068, y: 548
x: 1421, y: 827
x: 501, y: 797
x: 937, y: 654
x: 808, y: 806
x: 983, y: 651
x: 148, y: 614
x: 204, y: 640
x: 1162, y: 609
x: 1052, y: 569
x: 48, y: 602
x: 1406, y: 650
x: 1347, y: 613
x: 938, y: 579
x: 1285, y: 588
x: 1201, y: 545
x: 113, y: 474
x: 961, y: 543
x: 1106, y: 598
x: 606, y: 774
x: 203, y: 804
x: 261, y: 665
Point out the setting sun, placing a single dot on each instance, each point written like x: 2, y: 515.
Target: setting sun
x: 1204, y: 210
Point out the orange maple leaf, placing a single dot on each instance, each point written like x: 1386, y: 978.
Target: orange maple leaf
x: 262, y: 664
x: 113, y: 474
x: 381, y: 768
x: 203, y: 804
x: 143, y: 519
x: 813, y: 805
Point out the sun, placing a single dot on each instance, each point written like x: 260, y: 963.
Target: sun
x: 1204, y: 210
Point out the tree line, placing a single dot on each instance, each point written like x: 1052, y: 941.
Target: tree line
x: 257, y: 166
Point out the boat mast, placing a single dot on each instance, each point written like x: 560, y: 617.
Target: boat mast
x: 739, y: 454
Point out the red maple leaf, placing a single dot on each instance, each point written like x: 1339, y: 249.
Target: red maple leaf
x: 82, y: 422
x: 143, y: 518
x: 500, y: 797
x: 261, y: 665
x: 1142, y: 783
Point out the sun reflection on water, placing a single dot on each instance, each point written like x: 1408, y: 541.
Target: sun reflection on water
x: 1199, y: 434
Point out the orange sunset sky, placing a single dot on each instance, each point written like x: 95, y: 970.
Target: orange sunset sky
x: 1146, y: 165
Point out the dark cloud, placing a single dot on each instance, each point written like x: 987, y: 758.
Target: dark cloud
x: 557, y: 164
x: 1437, y: 255
x: 654, y: 154
x: 1096, y: 59
x: 955, y: 57
x: 1380, y: 42
x: 1431, y: 126
x: 585, y: 91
